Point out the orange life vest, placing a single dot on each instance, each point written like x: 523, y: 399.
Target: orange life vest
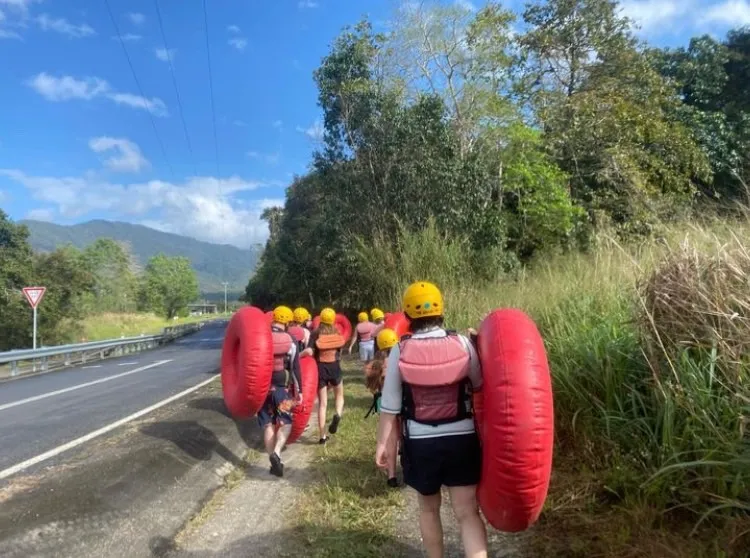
x: 328, y: 346
x: 282, y: 342
x: 435, y: 374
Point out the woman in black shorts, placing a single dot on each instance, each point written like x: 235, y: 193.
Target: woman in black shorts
x: 325, y: 345
x: 429, y: 378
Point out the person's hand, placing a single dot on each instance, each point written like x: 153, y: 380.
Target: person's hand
x: 299, y: 398
x: 381, y: 456
x: 472, y: 332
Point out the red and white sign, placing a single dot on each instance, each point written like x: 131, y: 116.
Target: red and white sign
x: 34, y: 295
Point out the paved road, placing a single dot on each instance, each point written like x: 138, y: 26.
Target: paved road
x: 115, y: 493
x: 37, y: 414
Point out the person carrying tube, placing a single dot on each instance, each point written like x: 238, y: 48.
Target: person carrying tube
x: 285, y: 391
x: 429, y: 379
x: 378, y: 318
x: 374, y: 378
x: 298, y: 327
x: 363, y: 334
x: 325, y: 346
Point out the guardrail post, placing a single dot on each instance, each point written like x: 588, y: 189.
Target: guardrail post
x: 67, y: 359
x: 45, y: 364
x: 14, y: 368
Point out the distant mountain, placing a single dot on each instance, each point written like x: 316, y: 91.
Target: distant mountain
x: 213, y: 263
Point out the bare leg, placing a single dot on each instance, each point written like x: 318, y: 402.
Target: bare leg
x: 473, y: 532
x: 281, y: 437
x: 338, y: 391
x: 322, y: 410
x: 269, y: 438
x: 393, y: 456
x: 430, y: 525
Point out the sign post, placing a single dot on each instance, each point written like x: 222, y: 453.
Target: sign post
x: 34, y: 295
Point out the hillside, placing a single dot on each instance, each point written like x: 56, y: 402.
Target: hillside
x: 208, y: 259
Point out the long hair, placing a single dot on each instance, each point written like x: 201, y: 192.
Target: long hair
x: 325, y: 329
x: 420, y: 324
x: 375, y: 372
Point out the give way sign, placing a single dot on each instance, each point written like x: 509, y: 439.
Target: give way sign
x: 34, y: 295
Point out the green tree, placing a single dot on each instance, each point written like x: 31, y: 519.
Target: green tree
x: 168, y: 285
x: 113, y: 267
x: 16, y: 272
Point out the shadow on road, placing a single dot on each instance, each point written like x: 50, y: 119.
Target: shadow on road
x: 194, y: 439
x: 246, y: 428
x: 288, y: 543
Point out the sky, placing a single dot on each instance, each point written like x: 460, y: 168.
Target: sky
x: 90, y: 132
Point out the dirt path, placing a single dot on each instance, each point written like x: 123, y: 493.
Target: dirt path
x: 250, y: 516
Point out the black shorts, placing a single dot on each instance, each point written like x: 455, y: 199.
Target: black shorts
x: 430, y: 463
x: 277, y: 408
x: 329, y: 374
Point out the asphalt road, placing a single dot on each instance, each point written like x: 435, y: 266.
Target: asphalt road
x: 140, y: 480
x: 38, y: 415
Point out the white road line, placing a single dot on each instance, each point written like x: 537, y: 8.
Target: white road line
x: 93, y: 366
x: 91, y: 435
x: 80, y: 386
x: 126, y: 363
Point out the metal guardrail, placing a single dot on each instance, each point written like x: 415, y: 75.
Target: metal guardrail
x: 60, y: 356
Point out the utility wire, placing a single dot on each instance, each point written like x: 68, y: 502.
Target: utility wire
x: 176, y: 89
x: 140, y: 89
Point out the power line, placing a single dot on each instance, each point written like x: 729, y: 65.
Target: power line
x: 174, y: 83
x: 140, y: 89
x: 216, y: 138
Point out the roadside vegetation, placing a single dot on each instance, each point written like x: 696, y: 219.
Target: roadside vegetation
x: 91, y: 293
x: 551, y: 161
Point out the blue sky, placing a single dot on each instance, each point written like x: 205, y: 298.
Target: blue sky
x: 77, y: 142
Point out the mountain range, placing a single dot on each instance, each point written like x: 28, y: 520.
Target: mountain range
x: 213, y: 263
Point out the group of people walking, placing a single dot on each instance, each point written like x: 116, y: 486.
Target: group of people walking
x: 422, y: 385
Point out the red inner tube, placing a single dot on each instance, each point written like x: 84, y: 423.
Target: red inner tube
x: 342, y: 324
x: 516, y: 421
x: 246, y: 362
x: 398, y: 322
x: 301, y: 414
x: 269, y: 317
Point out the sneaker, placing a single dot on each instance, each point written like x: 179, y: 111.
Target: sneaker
x: 323, y: 441
x: 393, y: 482
x: 277, y: 467
x: 334, y: 424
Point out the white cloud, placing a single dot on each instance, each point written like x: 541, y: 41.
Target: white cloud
x: 307, y: 4
x: 3, y: 196
x: 41, y: 214
x: 63, y: 26
x: 314, y: 132
x: 8, y: 34
x: 233, y: 29
x: 466, y: 5
x: 205, y: 208
x: 21, y: 5
x: 67, y: 88
x: 650, y: 14
x: 2, y: 16
x: 278, y: 124
x: 136, y: 18
x: 731, y: 12
x: 165, y: 55
x: 238, y: 42
x: 128, y: 156
x: 129, y: 37
x: 239, y: 123
x: 270, y: 158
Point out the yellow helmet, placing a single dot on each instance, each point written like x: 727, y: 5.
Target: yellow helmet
x: 422, y: 300
x: 301, y: 315
x: 362, y: 317
x: 328, y: 316
x: 386, y: 339
x: 377, y: 314
x: 282, y: 315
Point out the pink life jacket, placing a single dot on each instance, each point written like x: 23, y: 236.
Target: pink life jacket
x: 282, y: 342
x: 365, y: 331
x: 435, y: 373
x: 298, y: 333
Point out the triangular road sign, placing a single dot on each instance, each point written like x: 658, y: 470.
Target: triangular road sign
x: 34, y: 295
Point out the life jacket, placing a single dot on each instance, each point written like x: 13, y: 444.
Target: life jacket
x: 282, y: 342
x: 365, y: 331
x: 435, y: 374
x: 328, y: 346
x: 298, y: 332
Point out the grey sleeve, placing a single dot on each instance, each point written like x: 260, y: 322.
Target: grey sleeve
x: 475, y: 368
x: 390, y: 401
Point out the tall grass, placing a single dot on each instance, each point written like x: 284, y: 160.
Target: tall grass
x: 651, y: 393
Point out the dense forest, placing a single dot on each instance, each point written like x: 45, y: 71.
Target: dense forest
x: 104, y: 277
x: 514, y: 136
